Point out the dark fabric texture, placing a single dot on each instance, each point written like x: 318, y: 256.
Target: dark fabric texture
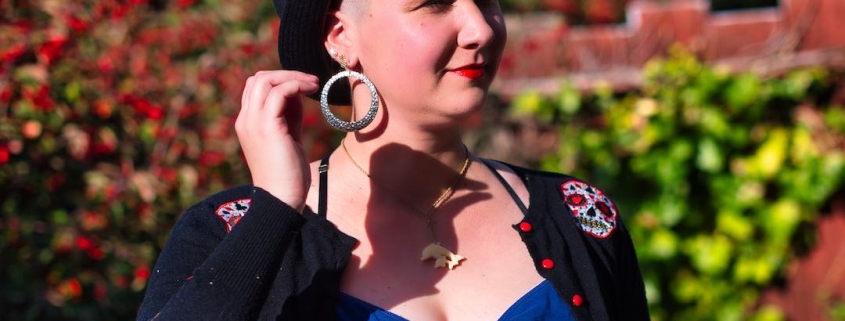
x: 279, y: 265
x: 301, y: 46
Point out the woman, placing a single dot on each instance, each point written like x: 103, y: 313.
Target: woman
x: 401, y: 221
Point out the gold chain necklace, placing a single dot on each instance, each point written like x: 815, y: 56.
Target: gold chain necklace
x: 442, y: 257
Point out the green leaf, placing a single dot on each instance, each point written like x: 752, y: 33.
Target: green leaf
x: 710, y: 254
x: 568, y: 99
x: 769, y: 313
x: 743, y: 92
x: 781, y: 219
x: 709, y: 157
x: 664, y: 244
x: 770, y: 157
x: 532, y: 104
x: 73, y: 91
x: 734, y: 225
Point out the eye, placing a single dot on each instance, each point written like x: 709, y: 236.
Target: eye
x: 437, y: 5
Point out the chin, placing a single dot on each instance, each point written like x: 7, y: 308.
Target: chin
x: 460, y: 112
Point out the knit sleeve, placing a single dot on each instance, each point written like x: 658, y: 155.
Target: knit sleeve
x: 205, y: 273
x: 629, y: 280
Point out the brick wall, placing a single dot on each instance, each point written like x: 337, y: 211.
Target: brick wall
x: 543, y: 49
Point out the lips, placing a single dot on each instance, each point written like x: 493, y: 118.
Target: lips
x: 471, y: 72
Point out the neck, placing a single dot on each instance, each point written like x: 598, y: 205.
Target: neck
x: 419, y: 165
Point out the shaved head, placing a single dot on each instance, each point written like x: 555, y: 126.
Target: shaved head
x: 354, y: 8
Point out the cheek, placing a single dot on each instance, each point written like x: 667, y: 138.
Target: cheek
x: 407, y: 66
x: 421, y: 51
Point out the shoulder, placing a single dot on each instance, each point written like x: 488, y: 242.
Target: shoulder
x: 221, y: 210
x: 594, y: 212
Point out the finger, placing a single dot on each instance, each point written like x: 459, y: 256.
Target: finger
x: 284, y: 101
x: 264, y: 81
x: 247, y: 88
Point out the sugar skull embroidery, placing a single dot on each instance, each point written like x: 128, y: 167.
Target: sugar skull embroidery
x: 232, y: 212
x: 594, y: 212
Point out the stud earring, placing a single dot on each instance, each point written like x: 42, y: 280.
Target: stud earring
x: 333, y: 121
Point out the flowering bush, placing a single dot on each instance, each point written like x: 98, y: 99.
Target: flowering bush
x: 114, y: 117
x: 721, y: 174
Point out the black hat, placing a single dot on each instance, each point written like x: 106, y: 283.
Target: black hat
x: 301, y: 43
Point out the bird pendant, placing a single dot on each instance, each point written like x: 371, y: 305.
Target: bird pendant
x: 442, y: 256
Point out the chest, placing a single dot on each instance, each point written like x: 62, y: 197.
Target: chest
x: 386, y: 271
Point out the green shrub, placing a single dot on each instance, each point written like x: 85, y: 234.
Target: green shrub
x: 718, y: 174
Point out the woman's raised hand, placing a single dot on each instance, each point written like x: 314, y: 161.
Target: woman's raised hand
x: 269, y: 127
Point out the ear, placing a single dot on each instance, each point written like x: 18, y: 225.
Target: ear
x: 339, y: 33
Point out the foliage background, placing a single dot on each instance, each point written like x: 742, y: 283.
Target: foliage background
x: 721, y: 175
x: 117, y: 115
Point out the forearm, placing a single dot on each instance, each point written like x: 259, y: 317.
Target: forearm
x: 204, y: 273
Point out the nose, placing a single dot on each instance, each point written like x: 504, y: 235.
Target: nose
x: 476, y: 26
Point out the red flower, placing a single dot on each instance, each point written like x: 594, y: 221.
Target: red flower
x: 39, y: 97
x: 144, y: 107
x: 4, y: 154
x: 142, y: 273
x: 184, y: 3
x: 23, y: 26
x: 76, y: 24
x: 6, y: 94
x: 105, y: 64
x: 211, y: 158
x: 155, y: 112
x: 70, y: 288
x: 102, y: 108
x: 96, y: 254
x: 84, y: 243
x: 52, y: 49
x: 12, y: 54
x: 119, y: 12
x: 103, y: 148
x: 168, y: 175
x: 91, y: 220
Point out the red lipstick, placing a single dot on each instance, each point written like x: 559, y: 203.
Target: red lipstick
x: 471, y: 72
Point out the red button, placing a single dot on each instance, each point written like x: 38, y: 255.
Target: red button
x: 525, y: 227
x: 577, y: 300
x: 548, y: 264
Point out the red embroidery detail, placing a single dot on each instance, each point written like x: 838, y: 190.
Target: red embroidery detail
x: 594, y: 212
x: 575, y: 200
x: 232, y: 212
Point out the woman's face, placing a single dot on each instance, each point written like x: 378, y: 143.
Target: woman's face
x: 430, y: 58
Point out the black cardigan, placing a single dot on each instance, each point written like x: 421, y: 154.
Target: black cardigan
x: 280, y: 265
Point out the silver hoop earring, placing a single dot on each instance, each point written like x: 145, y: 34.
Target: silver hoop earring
x: 344, y: 125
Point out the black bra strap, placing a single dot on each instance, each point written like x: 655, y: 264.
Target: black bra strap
x: 324, y: 187
x: 507, y: 186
